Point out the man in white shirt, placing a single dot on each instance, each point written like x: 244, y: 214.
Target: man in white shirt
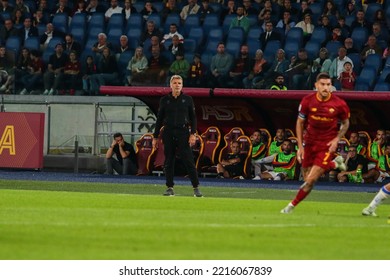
x: 172, y: 31
x: 191, y: 8
x: 337, y: 65
x: 114, y: 9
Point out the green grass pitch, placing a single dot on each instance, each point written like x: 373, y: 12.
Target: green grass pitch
x: 72, y: 220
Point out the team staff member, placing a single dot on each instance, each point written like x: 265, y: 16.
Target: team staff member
x: 319, y: 113
x: 125, y: 162
x: 177, y: 114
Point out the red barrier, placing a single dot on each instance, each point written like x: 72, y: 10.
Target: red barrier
x: 21, y: 140
x: 251, y: 109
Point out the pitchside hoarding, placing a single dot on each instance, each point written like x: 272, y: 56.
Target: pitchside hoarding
x: 21, y: 140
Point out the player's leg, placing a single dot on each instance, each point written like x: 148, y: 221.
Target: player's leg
x: 383, y: 193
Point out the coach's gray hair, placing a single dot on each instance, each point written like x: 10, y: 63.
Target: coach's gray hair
x: 174, y: 77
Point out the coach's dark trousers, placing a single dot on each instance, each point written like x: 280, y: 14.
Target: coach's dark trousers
x: 176, y: 141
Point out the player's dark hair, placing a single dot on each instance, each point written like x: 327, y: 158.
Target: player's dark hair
x: 322, y: 75
x: 118, y: 134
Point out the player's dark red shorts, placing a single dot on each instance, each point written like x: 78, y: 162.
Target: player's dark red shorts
x: 317, y: 154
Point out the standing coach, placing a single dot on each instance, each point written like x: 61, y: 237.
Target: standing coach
x: 177, y: 114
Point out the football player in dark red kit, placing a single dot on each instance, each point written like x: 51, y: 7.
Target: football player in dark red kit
x: 319, y: 116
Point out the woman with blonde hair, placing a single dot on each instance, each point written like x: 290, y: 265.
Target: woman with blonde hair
x: 137, y: 66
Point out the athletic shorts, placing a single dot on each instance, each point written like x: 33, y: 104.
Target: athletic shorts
x: 234, y: 170
x: 317, y: 155
x: 382, y: 176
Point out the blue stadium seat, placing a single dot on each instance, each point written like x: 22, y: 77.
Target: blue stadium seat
x: 382, y: 86
x: 217, y: 7
x: 190, y: 46
x: 190, y: 22
x: 226, y: 23
x: 211, y: 46
x: 357, y: 63
x: 254, y: 33
x: 253, y: 46
x: 53, y: 43
x: 31, y: 4
x: 196, y: 33
x: 384, y: 74
x: 78, y: 20
x: 361, y: 85
x: 139, y: 5
x: 210, y: 21
x: 368, y: 75
x: 96, y: 20
x: 233, y: 47
x: 135, y: 21
x: 291, y: 48
x: 172, y: 18
x: 312, y: 48
x: 349, y: 20
x: 252, y: 20
x: 206, y: 59
x: 215, y: 34
x: 116, y: 21
x: 134, y: 36
x: 340, y: 4
x: 123, y: 61
x: 317, y: 8
x: 236, y: 34
x: 270, y: 50
x: 159, y: 6
x: 41, y: 29
x: 359, y: 36
x: 333, y: 48
x: 374, y: 60
x: 32, y: 43
x: 371, y: 10
x: 113, y: 36
x: 94, y: 32
x: 13, y: 43
x: 294, y: 35
x: 79, y: 33
x: 60, y: 22
x: 319, y: 35
x: 157, y: 19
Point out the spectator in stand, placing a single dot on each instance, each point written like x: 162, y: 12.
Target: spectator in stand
x: 38, y: 19
x: 381, y: 34
x: 259, y: 67
x: 320, y: 64
x: 360, y: 21
x: 5, y: 7
x: 283, y: 163
x: 380, y: 17
x: 55, y: 69
x: 34, y: 73
x: 259, y: 150
x: 354, y: 140
x: 337, y: 65
x: 287, y: 7
x: 233, y: 164
x: 350, y: 8
x: 279, y: 83
x: 94, y: 7
x: 88, y: 69
x: 348, y: 45
x: 107, y: 71
x: 197, y: 72
x: 268, y: 35
x: 113, y: 9
x: 62, y: 8
x: 304, y: 10
x: 299, y: 71
x: 42, y: 6
x: 324, y: 22
x: 128, y: 10
x: 72, y: 74
x: 19, y: 5
x: 7, y: 30
x: 150, y: 31
x: 241, y: 20
x: 123, y: 46
x: 157, y: 65
x: 266, y: 8
x: 337, y: 35
x: 7, y: 75
x: 386, y: 54
x: 286, y: 23
x: 18, y: 17
x: 49, y: 34
x: 376, y: 149
x: 176, y: 46
x: 125, y: 162
x: 101, y: 44
x: 147, y: 11
x: 372, y: 47
x: 27, y: 30
x: 24, y: 61
x: 354, y: 161
x: 330, y: 9
x: 381, y: 171
x: 307, y: 27
x: 172, y: 31
x: 240, y: 69
x: 154, y: 42
x: 179, y: 67
x: 345, y: 29
x: 190, y: 9
x: 267, y: 19
x: 169, y: 8
x: 137, y: 66
x: 347, y: 77
x: 276, y: 145
x: 221, y: 64
x: 79, y: 8
x: 279, y: 66
x: 249, y: 10
x: 229, y: 9
x: 71, y: 45
x: 204, y: 10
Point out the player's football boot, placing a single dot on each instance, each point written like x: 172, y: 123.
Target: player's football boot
x: 368, y: 211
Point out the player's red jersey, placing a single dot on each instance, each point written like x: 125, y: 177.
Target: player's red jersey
x: 322, y: 117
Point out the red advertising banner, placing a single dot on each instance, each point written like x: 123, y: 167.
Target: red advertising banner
x: 21, y: 140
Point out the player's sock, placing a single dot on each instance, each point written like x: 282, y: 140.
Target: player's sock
x: 381, y: 195
x: 300, y: 195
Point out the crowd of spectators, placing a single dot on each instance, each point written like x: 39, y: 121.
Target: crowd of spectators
x: 76, y: 46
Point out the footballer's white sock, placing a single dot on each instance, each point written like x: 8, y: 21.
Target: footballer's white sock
x: 381, y: 195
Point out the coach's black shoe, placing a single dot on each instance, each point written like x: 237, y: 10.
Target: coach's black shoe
x: 197, y: 193
x: 169, y: 192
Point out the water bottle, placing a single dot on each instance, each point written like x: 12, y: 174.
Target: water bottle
x: 359, y: 177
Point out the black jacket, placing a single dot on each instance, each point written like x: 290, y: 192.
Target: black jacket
x: 176, y: 113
